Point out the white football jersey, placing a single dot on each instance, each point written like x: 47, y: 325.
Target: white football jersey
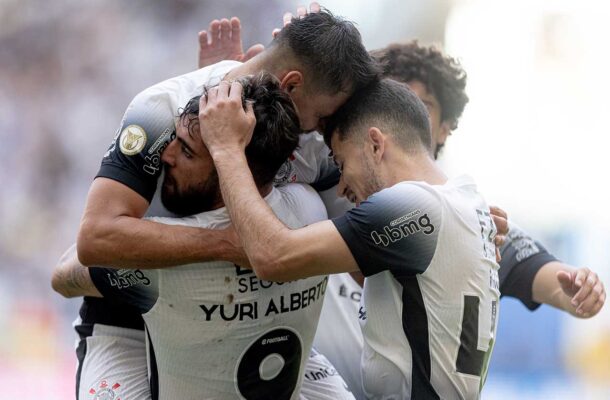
x: 339, y: 336
x: 430, y: 299
x: 217, y: 331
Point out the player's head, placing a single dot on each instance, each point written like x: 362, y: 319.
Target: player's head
x: 320, y: 61
x: 381, y: 120
x: 191, y: 182
x: 437, y: 79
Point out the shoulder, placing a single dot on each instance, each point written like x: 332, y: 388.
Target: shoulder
x: 303, y: 201
x: 412, y: 196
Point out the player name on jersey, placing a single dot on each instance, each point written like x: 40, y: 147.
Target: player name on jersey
x: 287, y: 302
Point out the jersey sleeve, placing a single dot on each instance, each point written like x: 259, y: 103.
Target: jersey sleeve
x: 395, y: 229
x: 522, y: 258
x: 134, y: 156
x: 128, y: 286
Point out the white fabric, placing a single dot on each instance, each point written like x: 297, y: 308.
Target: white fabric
x: 463, y: 264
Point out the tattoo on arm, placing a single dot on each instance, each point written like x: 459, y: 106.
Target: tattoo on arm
x: 71, y: 279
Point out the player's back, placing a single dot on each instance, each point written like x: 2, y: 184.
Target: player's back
x: 217, y: 331
x: 429, y: 334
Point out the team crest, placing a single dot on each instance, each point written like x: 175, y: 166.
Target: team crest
x: 104, y: 391
x: 132, y: 140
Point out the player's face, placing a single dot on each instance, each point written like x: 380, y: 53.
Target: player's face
x: 314, y: 107
x: 440, y: 129
x: 190, y: 185
x: 358, y: 175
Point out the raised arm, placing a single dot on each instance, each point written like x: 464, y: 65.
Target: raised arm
x: 275, y: 251
x: 222, y: 41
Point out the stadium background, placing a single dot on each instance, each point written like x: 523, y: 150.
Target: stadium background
x: 534, y: 136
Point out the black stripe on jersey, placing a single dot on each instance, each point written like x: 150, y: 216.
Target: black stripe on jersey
x: 153, y: 379
x: 415, y: 326
x: 84, y: 331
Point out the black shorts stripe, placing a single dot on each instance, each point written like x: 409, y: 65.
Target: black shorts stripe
x: 415, y: 326
x: 84, y: 331
x: 153, y: 379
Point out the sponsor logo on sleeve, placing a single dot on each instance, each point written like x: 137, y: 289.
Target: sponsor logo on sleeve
x: 132, y: 140
x: 402, y: 227
x: 524, y: 245
x: 126, y: 278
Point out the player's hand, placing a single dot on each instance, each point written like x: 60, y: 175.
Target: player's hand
x: 314, y: 7
x: 224, y: 124
x: 222, y: 41
x: 585, y: 289
x: 500, y: 219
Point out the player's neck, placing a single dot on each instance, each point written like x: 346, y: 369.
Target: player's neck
x: 414, y: 167
x: 263, y: 190
x: 261, y: 62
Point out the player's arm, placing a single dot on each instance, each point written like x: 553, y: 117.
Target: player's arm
x: 134, y: 287
x: 578, y: 291
x: 71, y: 278
x: 346, y: 244
x: 531, y: 274
x: 113, y: 233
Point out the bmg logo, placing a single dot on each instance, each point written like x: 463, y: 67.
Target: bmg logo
x: 391, y: 235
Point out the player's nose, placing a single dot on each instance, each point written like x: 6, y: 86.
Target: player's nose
x: 169, y: 154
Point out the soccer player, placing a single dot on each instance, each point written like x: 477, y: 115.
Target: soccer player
x: 528, y: 271
x: 215, y: 330
x: 424, y: 243
x: 112, y: 231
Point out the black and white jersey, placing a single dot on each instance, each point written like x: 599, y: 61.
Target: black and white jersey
x: 310, y: 163
x: 430, y: 299
x: 134, y: 156
x: 216, y: 330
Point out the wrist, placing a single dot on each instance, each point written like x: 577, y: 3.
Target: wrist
x: 221, y: 153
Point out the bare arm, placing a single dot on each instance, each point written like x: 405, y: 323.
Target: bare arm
x: 112, y: 233
x: 577, y: 291
x: 71, y: 279
x: 275, y: 251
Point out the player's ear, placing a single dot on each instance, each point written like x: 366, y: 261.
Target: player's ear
x: 376, y: 140
x: 291, y: 81
x: 444, y: 132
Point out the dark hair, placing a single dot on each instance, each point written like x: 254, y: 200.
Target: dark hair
x: 443, y: 76
x: 276, y: 134
x: 389, y: 106
x: 331, y: 50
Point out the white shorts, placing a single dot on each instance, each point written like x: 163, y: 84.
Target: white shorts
x: 112, y: 365
x: 322, y: 381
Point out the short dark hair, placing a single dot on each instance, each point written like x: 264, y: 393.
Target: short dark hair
x: 389, y: 106
x: 276, y: 134
x: 331, y: 50
x: 443, y: 76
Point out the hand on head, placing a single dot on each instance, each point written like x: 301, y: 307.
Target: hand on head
x: 224, y: 124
